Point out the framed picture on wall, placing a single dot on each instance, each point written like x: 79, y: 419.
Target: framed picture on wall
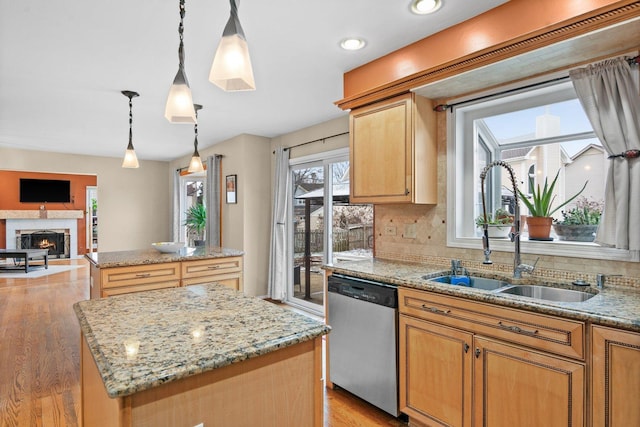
x: 232, y: 189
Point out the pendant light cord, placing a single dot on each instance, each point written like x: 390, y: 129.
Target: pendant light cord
x: 130, y: 123
x: 181, y: 33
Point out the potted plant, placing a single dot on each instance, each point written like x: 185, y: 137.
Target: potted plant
x: 499, y: 223
x: 540, y: 207
x: 580, y: 223
x: 196, y: 223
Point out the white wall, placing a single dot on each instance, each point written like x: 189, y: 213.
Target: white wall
x: 134, y: 204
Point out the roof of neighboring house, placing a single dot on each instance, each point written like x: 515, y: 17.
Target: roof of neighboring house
x: 516, y: 152
x: 587, y: 148
x: 340, y: 191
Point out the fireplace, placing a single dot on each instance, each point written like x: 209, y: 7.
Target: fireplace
x: 56, y: 242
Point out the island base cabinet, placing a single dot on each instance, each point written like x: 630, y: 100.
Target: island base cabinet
x: 435, y: 371
x: 282, y: 388
x: 615, y: 382
x: 514, y: 386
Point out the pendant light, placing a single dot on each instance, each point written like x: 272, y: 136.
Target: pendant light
x: 179, y: 107
x: 231, y: 68
x: 130, y: 158
x: 196, y: 163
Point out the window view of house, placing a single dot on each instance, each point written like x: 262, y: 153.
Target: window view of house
x: 539, y: 133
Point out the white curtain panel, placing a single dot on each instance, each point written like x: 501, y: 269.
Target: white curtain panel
x: 175, y: 224
x: 280, y: 272
x: 212, y: 200
x: 610, y: 98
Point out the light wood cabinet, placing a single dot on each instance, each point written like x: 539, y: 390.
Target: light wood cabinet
x: 436, y: 365
x: 227, y: 271
x: 109, y: 281
x: 615, y: 377
x: 466, y: 363
x: 393, y: 155
x: 514, y: 386
x: 138, y: 278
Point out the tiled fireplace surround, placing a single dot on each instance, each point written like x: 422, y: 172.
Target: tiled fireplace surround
x: 30, y: 221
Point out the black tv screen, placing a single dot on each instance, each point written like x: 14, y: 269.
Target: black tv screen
x: 44, y: 191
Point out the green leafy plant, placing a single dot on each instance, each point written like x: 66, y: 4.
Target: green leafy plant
x: 196, y: 220
x: 585, y: 213
x: 499, y: 217
x: 542, y: 199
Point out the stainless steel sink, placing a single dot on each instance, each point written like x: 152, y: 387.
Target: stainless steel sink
x: 474, y: 282
x: 546, y: 293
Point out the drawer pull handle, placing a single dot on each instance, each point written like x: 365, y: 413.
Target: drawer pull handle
x: 213, y: 267
x: 517, y: 329
x: 436, y: 310
x: 142, y: 276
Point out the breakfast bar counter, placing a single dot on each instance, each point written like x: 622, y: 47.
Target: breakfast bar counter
x: 198, y: 354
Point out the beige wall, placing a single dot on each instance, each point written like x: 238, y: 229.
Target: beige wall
x: 245, y: 225
x: 134, y: 205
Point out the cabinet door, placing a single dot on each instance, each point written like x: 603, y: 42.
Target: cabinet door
x: 380, y: 152
x: 514, y: 386
x: 615, y: 377
x: 435, y: 373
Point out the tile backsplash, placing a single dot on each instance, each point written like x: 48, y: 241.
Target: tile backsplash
x: 418, y: 233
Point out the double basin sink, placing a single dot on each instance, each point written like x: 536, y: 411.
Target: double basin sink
x: 503, y: 287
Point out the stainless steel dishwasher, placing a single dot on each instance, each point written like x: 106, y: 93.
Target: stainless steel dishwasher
x: 363, y: 316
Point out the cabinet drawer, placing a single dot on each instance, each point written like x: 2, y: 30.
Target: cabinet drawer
x: 139, y: 288
x: 232, y: 280
x: 543, y: 332
x: 140, y: 275
x: 208, y: 267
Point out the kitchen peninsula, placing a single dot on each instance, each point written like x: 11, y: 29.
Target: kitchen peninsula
x: 115, y: 273
x: 198, y: 354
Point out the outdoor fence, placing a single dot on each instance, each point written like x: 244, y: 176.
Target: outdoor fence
x: 357, y: 237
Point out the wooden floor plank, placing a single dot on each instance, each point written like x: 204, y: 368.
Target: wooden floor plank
x: 40, y: 357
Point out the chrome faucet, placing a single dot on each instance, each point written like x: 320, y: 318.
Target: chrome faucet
x: 518, y: 267
x: 602, y: 278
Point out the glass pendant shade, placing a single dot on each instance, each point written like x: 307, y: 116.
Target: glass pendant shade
x: 130, y: 158
x: 231, y: 69
x: 179, y: 107
x: 195, y: 165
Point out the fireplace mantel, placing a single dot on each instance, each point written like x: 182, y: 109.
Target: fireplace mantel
x: 41, y: 214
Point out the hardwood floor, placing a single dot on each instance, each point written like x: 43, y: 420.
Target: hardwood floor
x: 40, y: 356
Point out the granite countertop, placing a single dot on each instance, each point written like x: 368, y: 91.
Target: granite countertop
x: 142, y: 340
x: 613, y: 306
x: 153, y: 256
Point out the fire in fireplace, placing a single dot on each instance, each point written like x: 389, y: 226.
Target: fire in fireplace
x: 45, y: 239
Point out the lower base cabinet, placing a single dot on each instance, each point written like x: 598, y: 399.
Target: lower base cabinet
x: 435, y: 373
x: 514, y: 386
x: 615, y: 377
x: 453, y: 375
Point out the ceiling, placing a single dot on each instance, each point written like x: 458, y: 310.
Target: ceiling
x: 63, y: 64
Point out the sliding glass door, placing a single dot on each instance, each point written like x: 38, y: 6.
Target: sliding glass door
x: 325, y: 226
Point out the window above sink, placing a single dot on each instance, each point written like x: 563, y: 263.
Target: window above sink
x: 539, y: 130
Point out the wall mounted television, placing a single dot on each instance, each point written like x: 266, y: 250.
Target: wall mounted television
x: 44, y: 191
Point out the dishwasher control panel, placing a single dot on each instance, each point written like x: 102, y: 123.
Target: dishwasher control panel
x: 365, y: 290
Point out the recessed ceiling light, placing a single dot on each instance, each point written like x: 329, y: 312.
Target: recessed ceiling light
x: 423, y: 7
x: 352, y: 43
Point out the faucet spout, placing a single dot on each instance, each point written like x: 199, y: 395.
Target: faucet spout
x: 515, y: 235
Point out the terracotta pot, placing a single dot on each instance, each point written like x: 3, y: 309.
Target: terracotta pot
x: 539, y: 227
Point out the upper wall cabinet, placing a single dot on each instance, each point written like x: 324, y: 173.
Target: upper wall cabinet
x: 393, y: 152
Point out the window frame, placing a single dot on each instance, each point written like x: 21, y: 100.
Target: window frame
x: 460, y: 189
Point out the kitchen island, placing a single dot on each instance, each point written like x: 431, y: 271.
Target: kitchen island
x: 120, y: 272
x: 198, y: 354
